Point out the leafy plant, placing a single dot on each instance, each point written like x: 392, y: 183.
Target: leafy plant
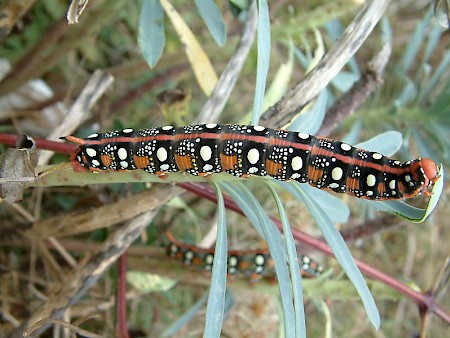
x: 424, y: 89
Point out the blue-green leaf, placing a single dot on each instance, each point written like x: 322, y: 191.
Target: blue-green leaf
x: 310, y: 121
x: 302, y: 58
x: 216, y: 298
x: 343, y: 81
x: 297, y: 288
x: 441, y: 70
x: 280, y: 82
x: 408, y: 94
x: 343, y: 255
x: 415, y: 43
x: 433, y: 42
x: 386, y: 32
x: 409, y: 212
x: 213, y: 19
x: 333, y: 206
x: 387, y: 143
x: 353, y: 135
x: 262, y: 67
x: 151, y: 38
x: 276, y: 246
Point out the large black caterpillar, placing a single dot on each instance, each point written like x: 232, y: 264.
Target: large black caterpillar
x: 254, y: 264
x: 243, y: 150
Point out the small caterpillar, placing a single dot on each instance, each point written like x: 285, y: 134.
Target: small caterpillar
x: 243, y: 150
x: 254, y: 264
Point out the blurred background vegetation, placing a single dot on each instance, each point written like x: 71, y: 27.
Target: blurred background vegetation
x: 45, y: 63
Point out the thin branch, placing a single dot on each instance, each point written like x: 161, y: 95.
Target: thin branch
x: 121, y: 302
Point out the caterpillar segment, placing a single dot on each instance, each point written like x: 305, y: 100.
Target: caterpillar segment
x: 244, y: 150
x: 253, y: 264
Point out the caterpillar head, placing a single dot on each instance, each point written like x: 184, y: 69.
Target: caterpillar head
x: 424, y: 173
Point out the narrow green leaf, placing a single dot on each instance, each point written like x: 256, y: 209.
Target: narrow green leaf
x: 319, y: 51
x: 415, y: 44
x: 433, y: 42
x: 244, y: 203
x: 332, y: 205
x: 302, y: 58
x: 441, y: 70
x: 386, y: 32
x: 216, y: 298
x: 277, y: 251
x: 262, y: 68
x: 353, y: 135
x: 343, y: 81
x: 343, y: 255
x: 436, y: 194
x: 213, y: 19
x: 387, y: 143
x: 409, y: 212
x: 243, y: 5
x: 272, y: 236
x: 151, y: 38
x: 310, y: 121
x: 297, y: 287
x: 280, y: 82
x: 407, y: 95
x: 399, y: 208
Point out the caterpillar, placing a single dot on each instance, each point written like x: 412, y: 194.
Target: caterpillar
x: 254, y: 264
x: 245, y: 150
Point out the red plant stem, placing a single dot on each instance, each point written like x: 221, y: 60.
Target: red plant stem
x: 59, y: 147
x: 121, y: 304
x: 202, y: 190
x: 420, y: 299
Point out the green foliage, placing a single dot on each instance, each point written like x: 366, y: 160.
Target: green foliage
x: 45, y: 13
x: 262, y: 66
x: 418, y: 102
x: 291, y: 249
x: 416, y: 96
x: 216, y: 298
x: 213, y: 19
x: 151, y: 31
